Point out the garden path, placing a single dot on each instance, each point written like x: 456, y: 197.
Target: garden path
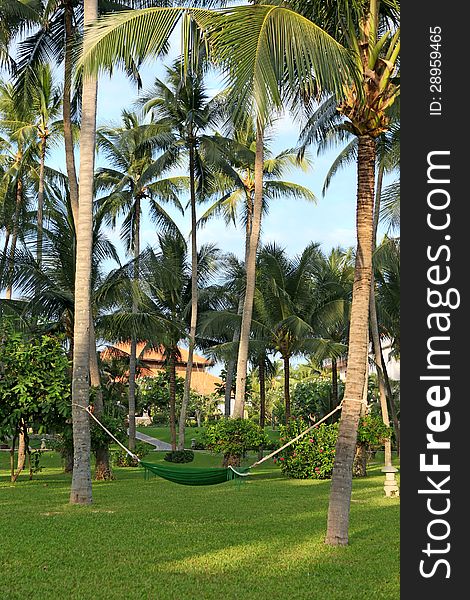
x: 159, y: 445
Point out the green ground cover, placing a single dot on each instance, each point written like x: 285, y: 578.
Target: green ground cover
x: 157, y: 540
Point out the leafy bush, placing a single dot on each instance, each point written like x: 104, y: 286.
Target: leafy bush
x: 233, y: 437
x: 311, y: 457
x: 179, y: 456
x: 120, y: 457
x: 372, y: 432
x: 99, y: 437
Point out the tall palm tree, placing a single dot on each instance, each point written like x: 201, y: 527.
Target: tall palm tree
x: 183, y: 105
x: 168, y: 283
x: 368, y: 29
x: 81, y: 492
x: 284, y: 303
x: 238, y: 201
x: 55, y: 31
x: 135, y: 176
x: 19, y: 154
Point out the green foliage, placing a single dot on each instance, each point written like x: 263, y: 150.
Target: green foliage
x: 234, y: 436
x: 372, y: 432
x: 313, y: 397
x: 34, y: 383
x: 179, y: 456
x: 120, y: 457
x: 100, y: 439
x: 311, y: 457
x: 153, y: 394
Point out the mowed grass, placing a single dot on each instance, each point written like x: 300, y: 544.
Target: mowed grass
x: 262, y: 540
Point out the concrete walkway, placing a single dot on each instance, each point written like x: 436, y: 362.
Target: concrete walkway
x: 159, y: 445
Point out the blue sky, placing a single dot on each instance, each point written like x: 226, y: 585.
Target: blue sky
x: 291, y: 223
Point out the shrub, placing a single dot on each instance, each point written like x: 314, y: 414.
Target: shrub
x: 179, y: 456
x: 233, y: 437
x: 120, y: 458
x: 311, y: 457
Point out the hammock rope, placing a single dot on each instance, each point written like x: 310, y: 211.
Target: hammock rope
x: 199, y: 475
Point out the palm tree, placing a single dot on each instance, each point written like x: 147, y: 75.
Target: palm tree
x: 182, y: 104
x: 81, y: 492
x: 168, y: 284
x: 19, y: 173
x: 133, y: 177
x: 239, y: 173
x: 57, y: 29
x: 284, y: 303
x: 334, y: 281
x: 367, y: 28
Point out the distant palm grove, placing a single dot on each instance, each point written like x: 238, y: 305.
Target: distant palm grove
x: 80, y: 272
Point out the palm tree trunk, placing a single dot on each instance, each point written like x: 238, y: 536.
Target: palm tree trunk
x: 133, y: 350
x: 194, y: 300
x: 262, y: 398
x: 81, y: 492
x: 40, y: 214
x: 374, y: 328
x: 102, y: 464
x: 262, y: 392
x: 67, y: 110
x: 132, y: 371
x: 393, y: 412
x: 250, y: 266
x: 12, y: 458
x: 334, y: 383
x: 341, y: 482
x: 231, y: 364
x: 173, y: 400
x: 14, y: 238
x: 287, y: 387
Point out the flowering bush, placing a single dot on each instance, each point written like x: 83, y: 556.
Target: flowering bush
x: 311, y: 457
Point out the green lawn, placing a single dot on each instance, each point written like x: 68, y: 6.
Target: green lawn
x: 156, y: 540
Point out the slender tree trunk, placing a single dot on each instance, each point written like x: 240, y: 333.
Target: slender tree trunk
x: 194, y: 299
x: 81, y: 492
x: 12, y: 459
x: 40, y: 217
x: 67, y: 110
x: 21, y: 458
x: 287, y: 387
x: 132, y: 371
x: 250, y: 266
x: 102, y: 464
x: 334, y: 383
x: 262, y: 391
x: 135, y: 308
x: 231, y: 364
x: 173, y: 400
x: 262, y: 398
x: 341, y: 482
x: 374, y: 327
x: 14, y: 238
x: 393, y: 412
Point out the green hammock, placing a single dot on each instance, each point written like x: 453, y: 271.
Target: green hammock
x: 194, y: 475
x: 201, y: 476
